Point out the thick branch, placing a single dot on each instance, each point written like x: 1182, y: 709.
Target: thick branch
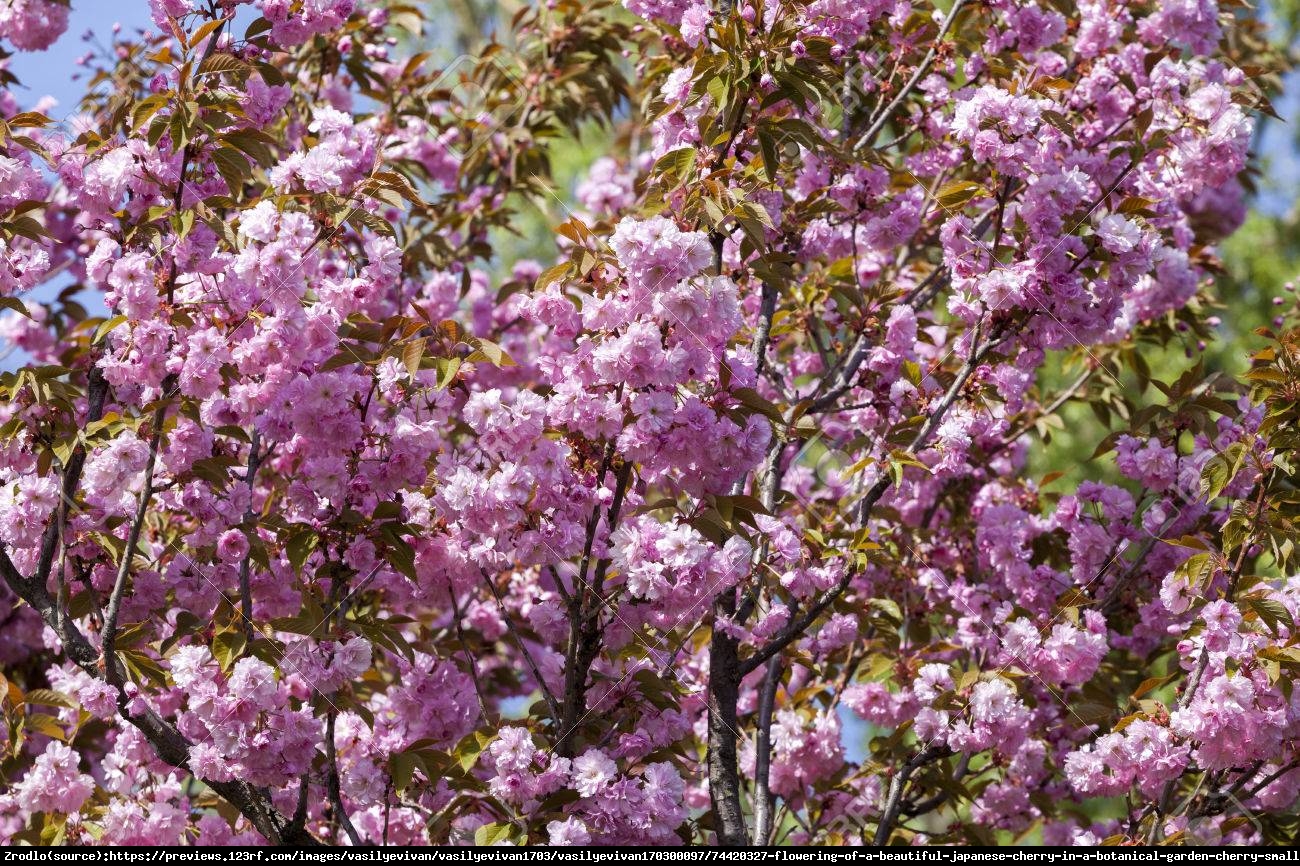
x: 724, y: 694
x: 170, y: 745
x: 332, y: 781
x: 763, y: 801
x: 764, y: 332
x: 584, y: 616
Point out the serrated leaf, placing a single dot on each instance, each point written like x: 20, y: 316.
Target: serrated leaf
x: 402, y: 766
x: 364, y: 219
x: 233, y: 167
x: 1272, y: 612
x: 50, y: 698
x: 220, y: 62
x: 1151, y: 684
x: 675, y: 163
x: 228, y: 647
x: 253, y: 143
x: 299, y: 547
x: 955, y: 195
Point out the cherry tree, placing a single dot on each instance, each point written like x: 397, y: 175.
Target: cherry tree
x: 324, y: 520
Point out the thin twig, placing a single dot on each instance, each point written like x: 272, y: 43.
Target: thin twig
x: 250, y: 525
x: 114, y: 609
x: 551, y: 702
x: 881, y: 119
x: 893, y: 802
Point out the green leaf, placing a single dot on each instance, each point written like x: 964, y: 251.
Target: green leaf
x: 402, y: 766
x: 1196, y: 569
x: 398, y: 184
x: 447, y: 370
x: 954, y: 195
x: 252, y: 142
x: 299, y: 547
x: 1220, y: 470
x: 143, y: 668
x: 28, y: 119
x: 889, y: 608
x: 400, y: 554
x: 675, y: 163
x: 364, y: 219
x: 204, y: 31
x: 752, y: 399
x: 146, y: 109
x: 50, y: 698
x: 1273, y: 613
x: 27, y: 227
x: 767, y: 145
x: 469, y: 748
x: 1151, y: 684
x: 553, y: 274
x: 491, y: 834
x: 486, y: 350
x: 233, y: 167
x: 228, y: 647
x: 7, y: 303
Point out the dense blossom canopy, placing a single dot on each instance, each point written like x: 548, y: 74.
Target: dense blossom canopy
x: 328, y: 521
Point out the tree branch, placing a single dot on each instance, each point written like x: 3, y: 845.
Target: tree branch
x: 724, y: 694
x: 170, y: 745
x: 763, y: 801
x: 108, y: 642
x: 584, y: 613
x: 893, y: 801
x: 332, y: 777
x: 523, y: 649
x: 764, y: 331
x: 1070, y: 392
x: 96, y: 392
x: 250, y: 522
x: 797, y: 626
x: 881, y: 119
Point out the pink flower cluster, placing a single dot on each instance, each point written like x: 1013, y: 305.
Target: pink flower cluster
x: 348, y: 484
x: 613, y: 807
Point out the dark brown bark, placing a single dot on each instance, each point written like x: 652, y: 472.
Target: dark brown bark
x: 171, y: 746
x: 584, y: 605
x: 724, y: 693
x: 763, y: 801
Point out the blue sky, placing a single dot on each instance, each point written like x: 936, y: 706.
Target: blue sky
x: 49, y: 73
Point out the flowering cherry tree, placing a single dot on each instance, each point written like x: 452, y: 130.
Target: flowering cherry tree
x: 323, y: 521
